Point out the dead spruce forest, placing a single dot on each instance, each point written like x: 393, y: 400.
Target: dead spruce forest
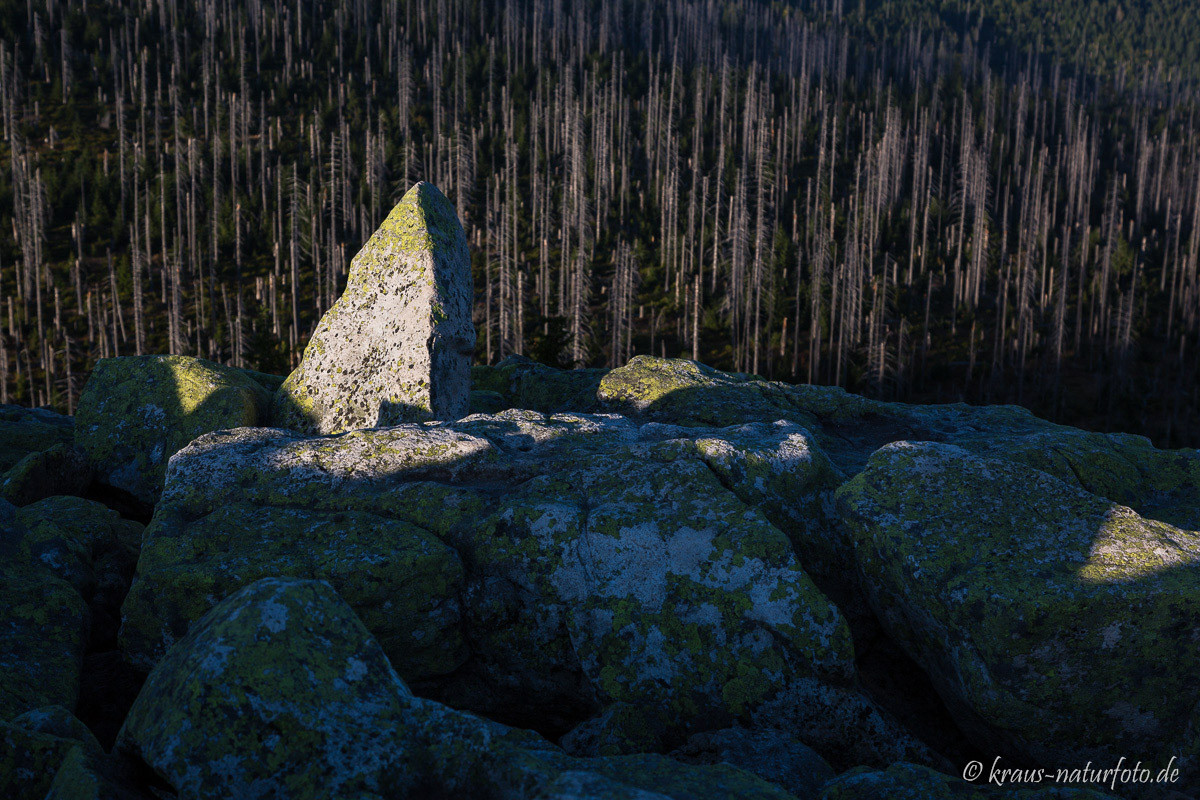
x: 924, y: 201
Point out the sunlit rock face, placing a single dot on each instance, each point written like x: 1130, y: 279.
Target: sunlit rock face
x: 396, y: 347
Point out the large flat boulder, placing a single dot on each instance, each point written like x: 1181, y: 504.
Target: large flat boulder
x: 135, y: 412
x: 397, y: 344
x: 1053, y: 621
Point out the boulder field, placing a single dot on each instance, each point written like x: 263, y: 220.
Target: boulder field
x: 673, y: 591
x: 391, y: 575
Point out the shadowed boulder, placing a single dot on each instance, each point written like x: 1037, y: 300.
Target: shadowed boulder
x: 1057, y: 625
x: 396, y: 346
x: 58, y: 470
x: 281, y: 688
x: 64, y: 565
x: 30, y: 430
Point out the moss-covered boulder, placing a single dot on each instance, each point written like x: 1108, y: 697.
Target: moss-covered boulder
x: 405, y: 582
x: 61, y: 469
x: 32, y: 748
x: 91, y: 775
x: 64, y: 564
x: 552, y: 570
x: 280, y: 687
x: 1051, y: 620
x: 397, y: 344
x: 135, y: 412
x: 903, y: 781
x: 690, y: 393
x: 30, y: 430
x: 520, y: 382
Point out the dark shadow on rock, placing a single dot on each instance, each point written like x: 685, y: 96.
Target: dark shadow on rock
x: 120, y: 501
x: 107, y: 690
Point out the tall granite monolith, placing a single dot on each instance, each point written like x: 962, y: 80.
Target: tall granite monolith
x: 396, y: 346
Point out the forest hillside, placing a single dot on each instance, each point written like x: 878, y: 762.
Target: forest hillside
x: 923, y: 200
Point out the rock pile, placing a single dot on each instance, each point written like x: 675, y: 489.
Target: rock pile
x: 658, y: 581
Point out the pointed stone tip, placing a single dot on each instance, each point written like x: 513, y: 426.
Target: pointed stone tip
x: 424, y: 219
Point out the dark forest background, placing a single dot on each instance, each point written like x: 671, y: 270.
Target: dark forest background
x: 925, y: 200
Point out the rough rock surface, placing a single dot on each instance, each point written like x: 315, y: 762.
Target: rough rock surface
x: 60, y: 469
x: 580, y: 568
x: 64, y: 562
x: 772, y: 755
x: 1050, y: 619
x: 30, y: 430
x: 903, y: 781
x: 397, y: 344
x: 136, y: 411
x: 520, y: 382
x: 282, y: 689
x: 725, y: 571
x: 91, y: 775
x: 279, y: 688
x: 33, y: 745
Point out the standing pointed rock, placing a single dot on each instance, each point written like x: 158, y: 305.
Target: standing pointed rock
x: 396, y: 347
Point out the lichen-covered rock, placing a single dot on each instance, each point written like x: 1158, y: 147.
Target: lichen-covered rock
x: 779, y: 470
x: 903, y: 781
x: 1049, y: 618
x: 136, y: 411
x: 405, y: 582
x: 44, y: 626
x: 1127, y: 469
x: 397, y: 344
x: 690, y: 393
x: 58, y: 470
x: 280, y: 688
x: 520, y: 382
x: 92, y: 547
x: 57, y: 721
x: 1159, y: 484
x: 64, y: 565
x: 596, y: 570
x: 774, y: 756
x: 92, y: 775
x: 33, y: 746
x: 30, y: 430
x: 672, y: 596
